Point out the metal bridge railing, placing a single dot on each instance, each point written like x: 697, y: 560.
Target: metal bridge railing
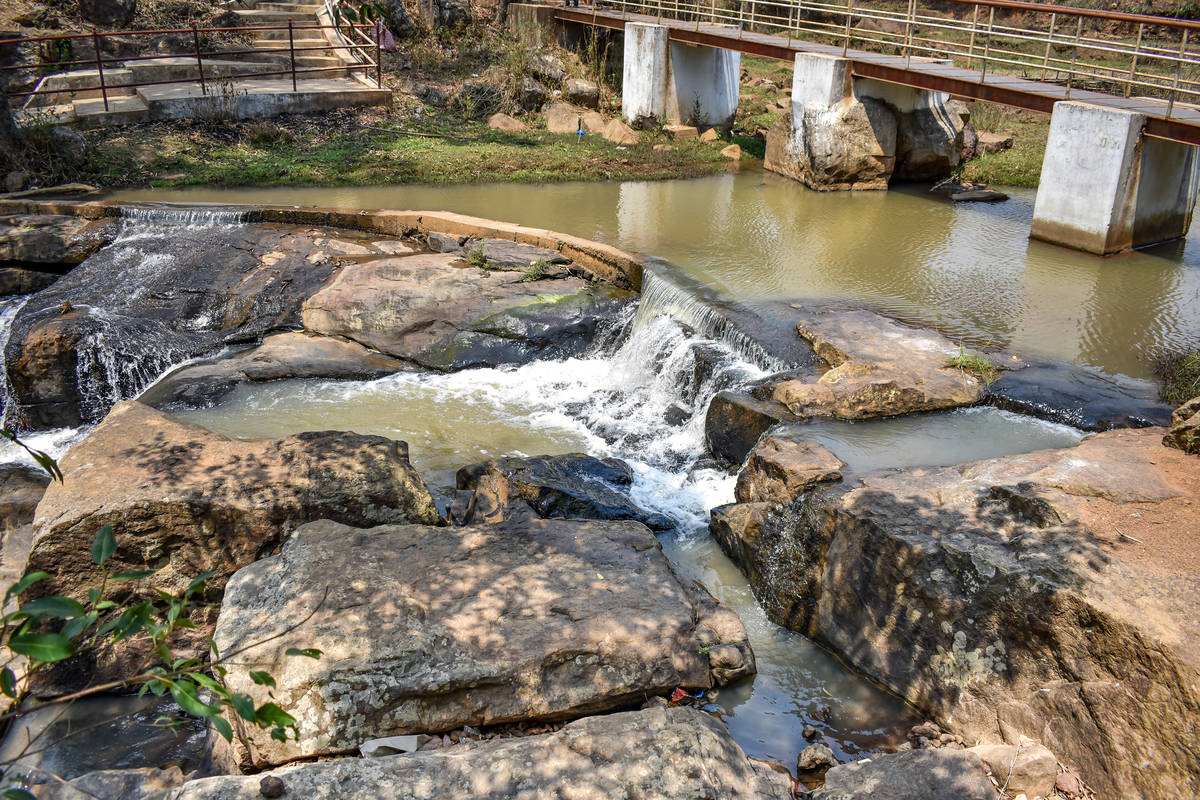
x: 1116, y: 53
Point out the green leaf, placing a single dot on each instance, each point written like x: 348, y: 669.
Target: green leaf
x: 8, y: 682
x: 17, y: 794
x: 271, y: 714
x: 42, y: 646
x: 62, y: 607
x: 262, y: 678
x: 243, y: 705
x: 223, y: 727
x: 78, y: 625
x: 135, y: 575
x: 309, y: 652
x: 184, y: 693
x: 25, y: 583
x: 201, y: 579
x: 104, y: 545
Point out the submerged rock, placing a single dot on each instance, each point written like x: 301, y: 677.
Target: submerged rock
x: 654, y: 754
x: 1048, y: 594
x: 183, y: 500
x: 1080, y: 396
x: 279, y: 357
x: 434, y: 310
x: 428, y: 629
x: 915, y: 775
x: 567, y: 486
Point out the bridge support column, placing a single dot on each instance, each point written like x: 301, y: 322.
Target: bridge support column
x: 666, y: 81
x: 1106, y: 187
x: 856, y: 133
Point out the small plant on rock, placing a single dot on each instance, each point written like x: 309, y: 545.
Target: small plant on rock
x: 974, y: 364
x: 536, y: 271
x: 476, y: 258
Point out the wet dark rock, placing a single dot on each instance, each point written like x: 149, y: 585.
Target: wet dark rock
x: 979, y: 196
x: 52, y: 240
x: 21, y: 489
x: 16, y: 281
x: 676, y: 415
x: 441, y: 243
x: 145, y: 783
x: 1081, y: 396
x: 914, y: 775
x: 575, y: 486
x: 271, y: 786
x: 108, y: 13
x: 735, y: 421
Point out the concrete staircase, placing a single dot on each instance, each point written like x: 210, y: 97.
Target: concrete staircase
x: 176, y: 92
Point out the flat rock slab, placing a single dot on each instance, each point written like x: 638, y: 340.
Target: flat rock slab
x: 916, y: 775
x: 1054, y: 595
x: 428, y: 629
x: 435, y: 310
x: 52, y: 239
x: 878, y: 368
x: 1080, y: 396
x: 780, y: 469
x: 17, y: 281
x: 656, y: 754
x: 574, y: 485
x: 280, y: 356
x: 505, y: 255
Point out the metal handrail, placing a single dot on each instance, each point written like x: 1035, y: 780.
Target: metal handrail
x: 1145, y: 55
x: 361, y: 52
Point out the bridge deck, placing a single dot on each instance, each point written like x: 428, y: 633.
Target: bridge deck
x: 1183, y: 124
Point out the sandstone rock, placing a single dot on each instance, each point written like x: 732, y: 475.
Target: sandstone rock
x: 736, y: 527
x: 734, y: 422
x: 594, y: 122
x: 429, y: 629
x: 183, y: 500
x: 849, y: 146
x: 441, y: 243
x: 733, y: 152
x: 108, y: 13
x: 279, y: 357
x: 430, y: 310
x: 1185, y: 428
x: 994, y: 142
x: 15, y: 281
x: 878, y: 368
x: 531, y: 95
x: 618, y: 132
x: 563, y: 118
x: 1028, y: 768
x: 549, y: 68
x: 814, y: 758
x: 45, y: 239
x: 710, y: 135
x: 21, y: 488
x: 581, y: 93
x: 571, y: 486
x: 15, y: 181
x: 914, y: 775
x: 681, y: 133
x: 928, y: 141
x: 1047, y: 594
x: 656, y: 754
x: 780, y: 469
x: 501, y: 254
x: 503, y: 122
x: 147, y: 783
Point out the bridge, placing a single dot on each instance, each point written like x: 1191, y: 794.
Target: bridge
x: 1121, y: 166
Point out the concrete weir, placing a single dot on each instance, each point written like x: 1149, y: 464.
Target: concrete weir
x: 1107, y: 187
x: 675, y: 82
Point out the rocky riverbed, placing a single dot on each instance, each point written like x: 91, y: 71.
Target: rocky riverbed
x: 518, y: 629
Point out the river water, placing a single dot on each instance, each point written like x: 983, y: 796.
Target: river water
x: 756, y: 239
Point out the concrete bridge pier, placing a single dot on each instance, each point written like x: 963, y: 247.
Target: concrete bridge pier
x: 666, y: 81
x: 1107, y: 187
x: 856, y: 133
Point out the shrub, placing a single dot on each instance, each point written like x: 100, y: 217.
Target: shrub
x: 1179, y: 372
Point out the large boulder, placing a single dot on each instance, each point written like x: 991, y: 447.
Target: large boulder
x: 575, y: 485
x: 780, y: 468
x: 1052, y: 595
x: 429, y: 629
x: 655, y: 754
x: 563, y: 118
x: 851, y: 145
x: 280, y: 356
x: 878, y: 368
x: 52, y: 240
x: 432, y: 310
x: 581, y: 93
x: 184, y: 500
x: 914, y: 775
x: 112, y: 325
x: 1184, y: 433
x: 735, y: 421
x: 21, y: 488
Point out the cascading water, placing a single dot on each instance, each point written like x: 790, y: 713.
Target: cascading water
x: 9, y: 308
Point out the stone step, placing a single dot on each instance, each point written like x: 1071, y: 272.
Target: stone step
x: 185, y: 69
x: 81, y: 81
x: 276, y: 46
x: 91, y: 113
x: 310, y: 9
x: 259, y: 17
x: 259, y: 97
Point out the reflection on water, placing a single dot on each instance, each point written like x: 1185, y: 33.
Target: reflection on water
x: 968, y: 269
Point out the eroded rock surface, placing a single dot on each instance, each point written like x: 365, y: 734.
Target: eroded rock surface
x: 51, y: 239
x: 915, y: 775
x: 1185, y: 428
x: 735, y: 421
x: 279, y: 357
x: 851, y: 145
x: 21, y: 488
x: 428, y: 629
x: 655, y: 754
x: 878, y: 368
x: 568, y: 486
x: 436, y: 310
x: 1052, y: 594
x: 780, y: 468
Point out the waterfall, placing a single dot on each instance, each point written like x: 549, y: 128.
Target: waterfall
x: 190, y: 217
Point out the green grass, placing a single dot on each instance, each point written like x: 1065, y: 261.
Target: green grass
x: 1179, y: 372
x: 974, y: 364
x: 1022, y: 164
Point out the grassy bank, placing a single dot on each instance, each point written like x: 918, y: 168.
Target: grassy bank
x: 373, y: 147
x: 1022, y: 164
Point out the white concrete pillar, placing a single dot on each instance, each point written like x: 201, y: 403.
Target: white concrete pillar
x: 1106, y: 188
x: 676, y: 82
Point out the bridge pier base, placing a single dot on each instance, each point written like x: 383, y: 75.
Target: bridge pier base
x: 666, y: 81
x: 1106, y: 187
x: 857, y: 133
